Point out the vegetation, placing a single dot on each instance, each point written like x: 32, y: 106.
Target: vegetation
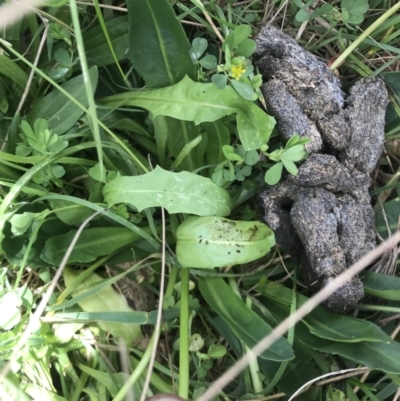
x: 138, y: 134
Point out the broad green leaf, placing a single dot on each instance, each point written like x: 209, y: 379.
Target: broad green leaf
x: 381, y: 285
x: 274, y: 174
x: 158, y: 47
x: 381, y: 356
x: 390, y: 219
x: 96, y: 46
x: 245, y: 323
x: 92, y: 243
x: 325, y: 324
x: 60, y: 111
x: 199, y: 102
x: 12, y: 70
x: 15, y: 248
x: 177, y: 192
x: 208, y: 242
x: 108, y: 300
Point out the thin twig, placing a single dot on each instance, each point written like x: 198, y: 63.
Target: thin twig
x: 157, y: 329
x: 309, y: 383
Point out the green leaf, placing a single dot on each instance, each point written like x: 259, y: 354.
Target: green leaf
x: 230, y: 154
x: 12, y: 70
x: 70, y: 213
x: 293, y: 154
x: 92, y: 243
x: 209, y: 62
x: 292, y: 141
x: 108, y: 300
x: 60, y: 111
x: 96, y: 47
x: 248, y: 326
x: 216, y: 352
x: 220, y: 80
x: 218, y: 136
x: 381, y: 356
x: 209, y: 242
x: 199, y: 46
x: 246, y: 48
x: 237, y: 36
x: 177, y: 192
x: 244, y: 90
x: 325, y: 324
x: 353, y: 10
x: 198, y: 102
x: 186, y: 150
x: 21, y: 222
x: 96, y: 173
x: 302, y: 15
x: 274, y: 174
x: 289, y: 166
x: 251, y: 157
x: 388, y: 219
x: 158, y: 47
x: 381, y: 285
x: 63, y: 57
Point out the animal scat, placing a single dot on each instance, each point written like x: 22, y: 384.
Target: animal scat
x: 322, y: 216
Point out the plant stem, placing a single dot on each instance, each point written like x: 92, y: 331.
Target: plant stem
x: 133, y: 378
x: 364, y: 35
x: 92, y: 115
x: 183, y: 388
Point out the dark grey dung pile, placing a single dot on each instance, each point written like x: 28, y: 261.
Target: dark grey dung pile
x: 322, y: 216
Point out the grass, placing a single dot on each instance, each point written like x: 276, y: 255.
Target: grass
x: 65, y: 333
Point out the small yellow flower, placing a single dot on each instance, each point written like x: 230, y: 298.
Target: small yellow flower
x: 237, y: 71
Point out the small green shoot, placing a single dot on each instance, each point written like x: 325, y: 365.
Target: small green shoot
x: 238, y: 165
x: 293, y: 152
x: 237, y: 69
x: 351, y: 12
x: 40, y: 140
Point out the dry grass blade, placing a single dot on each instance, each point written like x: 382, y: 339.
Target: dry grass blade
x: 283, y: 327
